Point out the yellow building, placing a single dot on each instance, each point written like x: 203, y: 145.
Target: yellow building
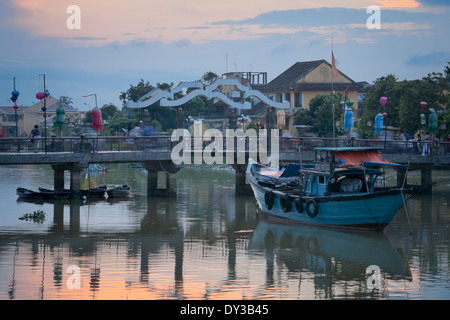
x: 305, y: 80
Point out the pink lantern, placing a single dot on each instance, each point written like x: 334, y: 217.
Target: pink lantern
x: 40, y: 95
x: 383, y: 100
x: 15, y: 106
x: 423, y: 105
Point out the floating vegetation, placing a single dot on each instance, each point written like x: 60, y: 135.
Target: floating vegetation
x: 37, y: 216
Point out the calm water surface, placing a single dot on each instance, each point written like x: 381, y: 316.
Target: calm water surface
x: 208, y: 243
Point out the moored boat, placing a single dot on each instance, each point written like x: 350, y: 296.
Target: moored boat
x: 339, y: 189
x: 42, y: 194
x: 96, y: 192
x: 119, y: 191
x: 49, y: 194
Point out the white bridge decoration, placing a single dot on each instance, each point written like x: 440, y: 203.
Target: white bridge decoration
x: 167, y: 97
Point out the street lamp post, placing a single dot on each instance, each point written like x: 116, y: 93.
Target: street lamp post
x: 90, y: 95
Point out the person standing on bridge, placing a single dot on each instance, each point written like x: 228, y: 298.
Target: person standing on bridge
x: 35, y: 136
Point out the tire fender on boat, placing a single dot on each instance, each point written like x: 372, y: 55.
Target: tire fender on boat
x: 285, y: 203
x: 315, y: 208
x: 269, y: 199
x: 299, y: 205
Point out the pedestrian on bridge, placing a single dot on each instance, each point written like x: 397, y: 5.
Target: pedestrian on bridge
x: 35, y: 136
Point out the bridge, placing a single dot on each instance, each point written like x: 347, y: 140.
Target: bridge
x: 76, y: 153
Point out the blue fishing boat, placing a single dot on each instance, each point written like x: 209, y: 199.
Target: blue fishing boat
x: 341, y: 189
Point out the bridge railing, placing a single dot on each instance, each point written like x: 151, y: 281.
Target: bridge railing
x: 164, y: 143
x: 87, y: 144
x: 427, y: 147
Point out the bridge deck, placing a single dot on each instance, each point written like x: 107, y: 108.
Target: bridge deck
x: 158, y: 148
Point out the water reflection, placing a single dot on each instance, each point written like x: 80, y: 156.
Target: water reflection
x: 331, y: 257
x: 208, y: 243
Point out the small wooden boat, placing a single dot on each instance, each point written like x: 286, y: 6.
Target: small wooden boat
x: 42, y: 194
x: 96, y: 192
x: 119, y: 191
x: 339, y: 189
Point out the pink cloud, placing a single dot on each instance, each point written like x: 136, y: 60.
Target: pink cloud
x: 106, y: 21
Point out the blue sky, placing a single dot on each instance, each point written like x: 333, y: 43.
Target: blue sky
x: 121, y: 42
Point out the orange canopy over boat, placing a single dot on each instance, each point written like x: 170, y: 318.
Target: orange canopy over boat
x: 359, y: 156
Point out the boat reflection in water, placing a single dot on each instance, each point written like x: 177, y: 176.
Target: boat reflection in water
x: 339, y: 262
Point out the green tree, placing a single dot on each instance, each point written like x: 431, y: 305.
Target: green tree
x: 66, y: 100
x: 164, y: 116
x: 88, y: 118
x: 319, y: 115
x: 404, y: 97
x: 447, y: 71
x: 135, y: 92
x: 208, y: 78
x: 118, y: 124
x: 382, y: 87
x: 108, y: 111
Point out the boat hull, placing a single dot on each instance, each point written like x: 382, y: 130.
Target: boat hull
x: 119, y: 192
x: 42, y: 195
x: 361, y: 211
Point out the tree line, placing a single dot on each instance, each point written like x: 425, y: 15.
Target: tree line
x: 403, y: 109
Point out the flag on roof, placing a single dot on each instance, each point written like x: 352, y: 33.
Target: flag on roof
x: 333, y: 65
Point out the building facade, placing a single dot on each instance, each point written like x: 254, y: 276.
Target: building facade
x: 303, y: 81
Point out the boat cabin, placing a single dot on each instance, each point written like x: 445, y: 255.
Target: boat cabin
x: 343, y: 170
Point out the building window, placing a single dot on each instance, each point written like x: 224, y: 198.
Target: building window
x: 297, y: 103
x: 287, y: 96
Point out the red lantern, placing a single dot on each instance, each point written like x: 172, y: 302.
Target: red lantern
x: 384, y: 114
x: 16, y: 106
x: 423, y: 105
x: 40, y: 95
x: 97, y: 119
x: 383, y: 100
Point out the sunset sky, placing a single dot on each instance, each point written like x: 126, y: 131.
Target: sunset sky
x: 120, y: 42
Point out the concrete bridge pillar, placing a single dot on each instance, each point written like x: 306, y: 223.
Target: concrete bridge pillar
x: 58, y: 179
x: 75, y: 177
x: 242, y: 187
x: 426, y: 178
x: 161, y: 178
x: 75, y: 181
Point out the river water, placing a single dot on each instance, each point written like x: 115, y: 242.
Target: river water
x: 208, y: 243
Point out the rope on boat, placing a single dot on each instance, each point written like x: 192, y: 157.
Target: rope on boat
x: 404, y: 198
